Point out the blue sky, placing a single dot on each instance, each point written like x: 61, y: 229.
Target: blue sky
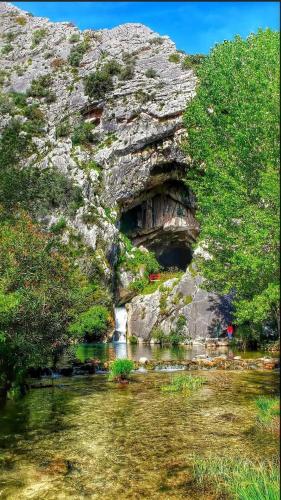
x: 194, y: 26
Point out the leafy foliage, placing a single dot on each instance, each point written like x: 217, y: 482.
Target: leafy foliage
x: 150, y: 73
x: 192, y: 61
x: 99, y: 83
x: 91, y: 324
x: 82, y: 133
x: 175, y: 58
x: 45, y: 298
x: 40, y: 87
x: 233, y: 129
x: 76, y: 53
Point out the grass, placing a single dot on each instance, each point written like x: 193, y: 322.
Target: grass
x: 268, y: 412
x: 184, y: 383
x: 238, y: 479
x: 120, y: 369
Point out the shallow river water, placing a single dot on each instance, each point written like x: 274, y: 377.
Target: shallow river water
x: 111, y: 351
x: 87, y: 437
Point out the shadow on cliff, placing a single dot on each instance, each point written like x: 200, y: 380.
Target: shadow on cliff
x: 222, y: 309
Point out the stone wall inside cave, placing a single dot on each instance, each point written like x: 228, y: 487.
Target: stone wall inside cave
x: 162, y: 219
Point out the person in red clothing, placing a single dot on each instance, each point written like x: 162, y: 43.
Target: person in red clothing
x: 229, y: 331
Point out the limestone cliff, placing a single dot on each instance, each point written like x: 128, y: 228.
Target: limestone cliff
x: 130, y: 171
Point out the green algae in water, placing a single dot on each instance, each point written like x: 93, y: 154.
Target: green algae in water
x: 184, y: 383
x: 90, y: 438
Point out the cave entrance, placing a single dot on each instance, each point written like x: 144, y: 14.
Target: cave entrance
x: 162, y: 220
x: 174, y: 257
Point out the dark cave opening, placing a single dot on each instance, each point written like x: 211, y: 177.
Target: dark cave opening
x: 174, y: 257
x: 162, y: 220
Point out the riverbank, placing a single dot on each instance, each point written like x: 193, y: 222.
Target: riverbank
x: 200, y: 362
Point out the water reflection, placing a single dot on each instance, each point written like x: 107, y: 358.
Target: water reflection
x: 111, y: 351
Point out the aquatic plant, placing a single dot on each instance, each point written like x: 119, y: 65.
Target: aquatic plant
x: 268, y: 412
x: 120, y: 369
x: 184, y: 383
x: 241, y: 479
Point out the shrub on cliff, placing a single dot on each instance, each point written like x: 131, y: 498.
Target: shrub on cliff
x: 233, y: 140
x: 98, y: 84
x: 76, y: 54
x: 40, y: 87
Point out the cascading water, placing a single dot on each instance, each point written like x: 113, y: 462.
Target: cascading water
x: 120, y: 324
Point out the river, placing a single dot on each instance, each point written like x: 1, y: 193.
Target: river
x: 86, y: 437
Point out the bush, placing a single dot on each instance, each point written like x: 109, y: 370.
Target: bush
x: 175, y: 338
x: 192, y: 61
x: 127, y: 72
x: 58, y: 226
x: 181, y: 322
x: 74, y: 38
x: 37, y: 36
x: 6, y: 49
x: 19, y: 99
x: 76, y: 54
x: 175, y: 58
x: 57, y: 63
x: 21, y: 20
x: 91, y: 324
x: 150, y: 73
x: 3, y: 76
x: 63, y: 129
x: 156, y: 41
x: 120, y: 369
x: 158, y: 335
x: 82, y: 133
x: 133, y: 339
x: 98, y: 84
x: 40, y: 87
x: 138, y: 285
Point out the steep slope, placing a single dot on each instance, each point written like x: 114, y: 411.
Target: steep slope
x: 111, y: 103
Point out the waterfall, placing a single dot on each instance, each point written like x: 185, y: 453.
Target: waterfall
x: 120, y: 324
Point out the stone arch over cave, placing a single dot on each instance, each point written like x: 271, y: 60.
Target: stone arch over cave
x: 162, y: 218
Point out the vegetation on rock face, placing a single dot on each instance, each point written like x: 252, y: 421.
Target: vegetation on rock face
x: 77, y: 52
x: 37, y: 36
x: 141, y: 263
x: 50, y: 292
x: 233, y: 139
x: 100, y: 82
x: 175, y: 337
x: 120, y: 369
x: 40, y: 87
x: 192, y: 61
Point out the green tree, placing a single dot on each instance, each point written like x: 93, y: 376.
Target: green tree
x: 233, y: 139
x: 42, y: 292
x: 92, y: 323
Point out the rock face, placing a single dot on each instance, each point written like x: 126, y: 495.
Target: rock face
x: 132, y: 169
x: 178, y: 297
